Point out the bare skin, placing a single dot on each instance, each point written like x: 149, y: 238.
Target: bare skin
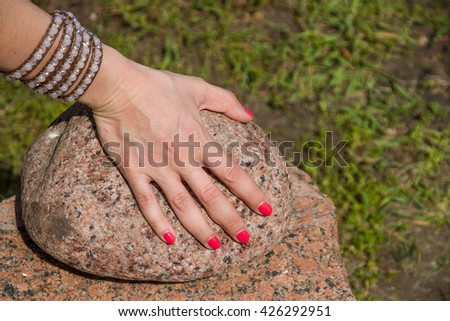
x: 151, y: 105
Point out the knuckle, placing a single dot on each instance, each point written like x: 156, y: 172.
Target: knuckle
x: 199, y: 79
x: 203, y: 88
x: 255, y: 193
x: 181, y: 200
x: 145, y: 199
x: 231, y: 96
x: 232, y: 174
x: 154, y: 220
x: 209, y: 193
x: 232, y: 222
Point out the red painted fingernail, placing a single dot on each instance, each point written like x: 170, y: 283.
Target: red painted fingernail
x: 243, y: 236
x: 265, y: 209
x: 169, y: 237
x: 248, y: 112
x: 214, y: 243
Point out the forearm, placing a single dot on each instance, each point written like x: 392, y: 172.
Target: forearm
x: 22, y: 25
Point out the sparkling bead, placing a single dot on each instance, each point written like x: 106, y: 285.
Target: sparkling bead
x: 66, y: 42
x: 69, y: 29
x: 41, y: 78
x: 54, y: 95
x: 57, y: 77
x: 59, y: 55
x: 73, y: 77
x: 53, y: 31
x: 38, y: 56
x: 85, y: 50
x: 46, y: 43
x: 70, y: 98
x: 50, y: 68
x: 79, y: 91
x: 58, y: 20
x: 94, y: 68
x: 17, y: 75
x: 88, y: 81
x: 86, y: 36
x: 64, y: 88
x: 28, y: 66
x: 49, y: 86
x: 31, y: 85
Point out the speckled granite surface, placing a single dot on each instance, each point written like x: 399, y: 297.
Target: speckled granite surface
x: 306, y: 265
x: 83, y: 213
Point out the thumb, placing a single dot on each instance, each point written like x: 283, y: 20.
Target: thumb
x: 224, y: 101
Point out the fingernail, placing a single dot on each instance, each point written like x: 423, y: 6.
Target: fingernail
x: 169, y: 237
x: 214, y: 243
x: 243, y: 236
x: 265, y: 209
x: 248, y: 112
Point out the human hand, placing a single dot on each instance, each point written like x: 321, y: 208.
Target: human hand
x: 143, y: 105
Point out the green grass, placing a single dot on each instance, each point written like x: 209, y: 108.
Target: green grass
x: 23, y: 115
x: 323, y: 59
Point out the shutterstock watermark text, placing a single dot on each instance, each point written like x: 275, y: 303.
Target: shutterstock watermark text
x: 328, y: 151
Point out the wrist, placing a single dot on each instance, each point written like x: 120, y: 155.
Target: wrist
x: 106, y: 84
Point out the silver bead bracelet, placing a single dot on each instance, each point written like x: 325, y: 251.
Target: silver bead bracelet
x: 72, y: 67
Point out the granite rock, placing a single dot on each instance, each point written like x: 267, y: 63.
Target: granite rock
x: 305, y: 265
x: 83, y: 213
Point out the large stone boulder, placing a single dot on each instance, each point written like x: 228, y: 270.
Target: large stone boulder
x: 83, y: 213
x: 305, y: 265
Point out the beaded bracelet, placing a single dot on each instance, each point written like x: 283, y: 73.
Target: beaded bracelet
x: 90, y: 75
x: 76, y: 68
x: 77, y: 65
x: 78, y: 55
x: 65, y: 65
x: 63, y: 46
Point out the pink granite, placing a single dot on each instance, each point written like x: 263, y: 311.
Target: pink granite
x: 83, y: 213
x: 305, y: 265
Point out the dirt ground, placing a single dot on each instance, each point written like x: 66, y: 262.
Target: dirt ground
x: 420, y: 278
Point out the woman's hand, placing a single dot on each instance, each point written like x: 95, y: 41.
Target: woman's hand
x: 141, y: 105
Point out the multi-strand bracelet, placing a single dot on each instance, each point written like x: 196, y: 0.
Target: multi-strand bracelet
x: 72, y: 66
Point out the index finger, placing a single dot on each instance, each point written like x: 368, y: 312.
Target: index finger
x: 238, y: 181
